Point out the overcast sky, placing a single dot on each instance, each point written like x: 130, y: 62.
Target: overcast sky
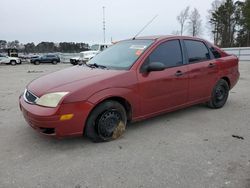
x: 81, y: 20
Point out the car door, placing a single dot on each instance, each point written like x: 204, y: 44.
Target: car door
x: 202, y: 70
x: 48, y: 58
x: 43, y: 59
x: 51, y: 58
x: 167, y: 89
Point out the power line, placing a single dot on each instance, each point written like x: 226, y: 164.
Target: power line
x: 104, y: 25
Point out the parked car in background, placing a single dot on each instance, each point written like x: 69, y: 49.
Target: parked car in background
x: 50, y: 58
x: 133, y: 80
x: 87, y: 55
x: 9, y: 60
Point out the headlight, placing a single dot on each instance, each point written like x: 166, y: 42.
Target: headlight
x: 51, y: 99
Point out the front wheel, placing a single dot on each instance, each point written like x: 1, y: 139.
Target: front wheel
x: 219, y: 95
x: 13, y: 62
x: 37, y: 62
x: 106, y: 122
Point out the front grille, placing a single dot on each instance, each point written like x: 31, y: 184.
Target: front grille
x: 29, y: 97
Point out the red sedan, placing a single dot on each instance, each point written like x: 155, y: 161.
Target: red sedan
x: 132, y: 80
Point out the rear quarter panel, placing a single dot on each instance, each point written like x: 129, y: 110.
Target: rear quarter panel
x: 229, y: 68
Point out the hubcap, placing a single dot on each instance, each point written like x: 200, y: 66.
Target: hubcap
x: 108, y: 122
x: 220, y: 93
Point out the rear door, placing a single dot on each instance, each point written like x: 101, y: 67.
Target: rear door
x: 202, y: 70
x: 50, y: 58
x: 163, y: 90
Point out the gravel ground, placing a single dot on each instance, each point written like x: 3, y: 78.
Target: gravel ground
x: 190, y: 148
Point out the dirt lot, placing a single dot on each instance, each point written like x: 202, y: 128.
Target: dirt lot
x: 192, y: 148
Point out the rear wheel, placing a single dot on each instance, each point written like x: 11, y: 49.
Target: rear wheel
x: 54, y: 62
x: 106, y: 122
x: 36, y: 62
x: 13, y: 62
x: 219, y: 95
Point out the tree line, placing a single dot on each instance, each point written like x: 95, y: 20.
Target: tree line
x: 228, y: 23
x: 45, y: 47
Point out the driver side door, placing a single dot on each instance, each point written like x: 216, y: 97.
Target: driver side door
x: 162, y: 91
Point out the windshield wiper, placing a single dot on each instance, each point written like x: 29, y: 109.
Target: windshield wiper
x: 94, y: 65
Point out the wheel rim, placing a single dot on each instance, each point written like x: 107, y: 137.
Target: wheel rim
x: 107, y: 123
x: 220, y: 94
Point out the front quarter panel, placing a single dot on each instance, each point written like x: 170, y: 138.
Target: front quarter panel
x: 122, y: 84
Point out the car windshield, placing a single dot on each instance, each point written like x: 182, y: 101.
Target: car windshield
x: 122, y: 55
x: 95, y: 47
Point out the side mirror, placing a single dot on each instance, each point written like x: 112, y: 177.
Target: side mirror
x: 155, y: 66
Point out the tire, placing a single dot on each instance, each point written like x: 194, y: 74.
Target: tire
x: 54, y: 62
x: 219, y: 95
x: 36, y: 62
x: 106, y: 122
x: 73, y: 63
x: 13, y: 62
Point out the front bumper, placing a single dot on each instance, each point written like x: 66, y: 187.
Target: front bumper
x: 47, y: 120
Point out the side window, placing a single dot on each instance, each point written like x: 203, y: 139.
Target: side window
x: 169, y: 53
x: 196, y: 51
x: 215, y: 53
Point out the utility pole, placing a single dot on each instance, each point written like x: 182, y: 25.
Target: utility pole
x: 104, y: 25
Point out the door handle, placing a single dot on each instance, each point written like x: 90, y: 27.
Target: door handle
x: 179, y: 73
x: 211, y: 65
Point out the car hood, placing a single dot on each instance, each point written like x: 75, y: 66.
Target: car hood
x: 14, y: 58
x: 77, y: 58
x: 69, y: 80
x: 89, y: 52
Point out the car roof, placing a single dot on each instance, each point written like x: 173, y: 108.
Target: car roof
x: 164, y: 37
x: 100, y: 44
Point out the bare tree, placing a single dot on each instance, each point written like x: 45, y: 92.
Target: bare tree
x: 182, y: 18
x: 195, y: 23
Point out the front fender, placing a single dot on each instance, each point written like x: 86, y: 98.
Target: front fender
x: 128, y: 94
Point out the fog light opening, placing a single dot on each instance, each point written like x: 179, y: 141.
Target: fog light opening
x: 48, y: 131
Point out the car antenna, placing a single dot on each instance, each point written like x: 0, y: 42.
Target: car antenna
x: 145, y: 27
